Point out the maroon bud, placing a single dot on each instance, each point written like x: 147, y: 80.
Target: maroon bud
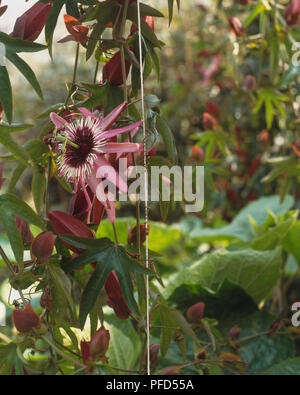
x: 209, y: 122
x: 112, y: 70
x: 235, y: 332
x: 24, y: 230
x: 133, y: 235
x: 99, y: 343
x: 115, y: 297
x: 236, y: 26
x: 264, y: 136
x: 195, y: 312
x: 25, y: 319
x: 154, y: 350
x: 201, y: 354
x: 42, y: 246
x: 46, y: 300
x: 292, y: 13
x: 249, y: 83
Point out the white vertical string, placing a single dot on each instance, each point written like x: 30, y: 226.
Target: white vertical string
x: 146, y: 185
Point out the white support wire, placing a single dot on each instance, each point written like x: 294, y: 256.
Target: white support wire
x: 146, y: 185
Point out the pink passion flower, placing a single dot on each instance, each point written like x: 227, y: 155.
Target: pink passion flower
x: 81, y: 159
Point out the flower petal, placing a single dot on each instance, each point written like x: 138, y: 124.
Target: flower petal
x: 87, y: 113
x: 115, y: 132
x: 120, y: 147
x: 106, y: 170
x: 111, y: 117
x: 57, y: 120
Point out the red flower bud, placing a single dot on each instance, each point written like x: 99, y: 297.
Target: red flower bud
x: 78, y: 206
x: 29, y: 25
x: 201, y: 354
x: 64, y: 223
x: 235, y: 332
x: 25, y: 319
x: 112, y: 70
x: 24, y: 230
x: 197, y: 154
x: 195, y: 312
x: 249, y: 83
x: 78, y: 31
x: 292, y: 13
x: 45, y: 301
x: 154, y: 350
x: 42, y: 246
x: 236, y: 26
x: 2, y: 9
x: 99, y: 343
x: 170, y: 371
x: 115, y: 297
x: 133, y: 235
x: 209, y: 122
x: 1, y: 174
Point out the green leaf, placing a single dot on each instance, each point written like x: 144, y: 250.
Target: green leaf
x: 4, y: 128
x: 124, y: 345
x: 256, y: 272
x: 240, y: 228
x: 167, y: 136
x: 146, y: 29
x: 10, y: 359
x: 62, y: 288
x: 13, y: 147
x: 38, y: 188
x: 109, y: 257
x: 106, y: 12
x: 6, y: 93
x: 51, y: 22
x: 290, y: 366
x: 111, y: 96
x: 26, y: 71
x: 291, y: 241
x: 10, y: 207
x: 17, y: 45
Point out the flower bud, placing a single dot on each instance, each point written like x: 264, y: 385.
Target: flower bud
x: 2, y: 10
x: 244, y: 2
x: 201, y: 354
x: 235, y: 332
x: 99, y: 343
x: 42, y: 246
x: 29, y: 25
x: 1, y: 174
x: 197, y: 154
x: 236, y: 26
x: 133, y: 235
x: 213, y: 109
x: 112, y: 70
x: 209, y: 122
x: 292, y: 13
x: 23, y: 228
x: 115, y: 297
x: 195, y: 312
x: 154, y: 359
x: 264, y: 136
x: 25, y: 319
x: 170, y: 371
x: 45, y: 300
x: 78, y: 31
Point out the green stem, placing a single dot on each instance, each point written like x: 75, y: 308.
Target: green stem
x: 62, y: 354
x: 11, y: 269
x: 115, y: 232
x: 74, y: 74
x: 63, y: 139
x: 96, y: 72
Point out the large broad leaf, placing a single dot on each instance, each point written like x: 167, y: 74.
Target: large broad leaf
x: 290, y: 366
x: 109, y: 257
x: 291, y: 241
x: 240, y: 228
x: 10, y: 207
x: 10, y: 360
x: 256, y: 272
x: 124, y: 346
